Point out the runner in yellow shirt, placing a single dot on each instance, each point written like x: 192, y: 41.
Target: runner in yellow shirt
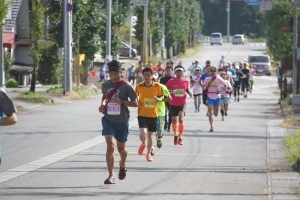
x: 149, y: 93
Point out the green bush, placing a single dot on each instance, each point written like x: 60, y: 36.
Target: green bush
x: 12, y: 83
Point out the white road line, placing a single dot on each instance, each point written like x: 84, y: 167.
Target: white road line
x: 52, y: 158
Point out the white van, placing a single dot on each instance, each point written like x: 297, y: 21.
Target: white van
x: 216, y: 38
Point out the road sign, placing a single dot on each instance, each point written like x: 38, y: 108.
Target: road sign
x: 140, y: 2
x: 253, y: 3
x: 69, y: 7
x: 265, y: 5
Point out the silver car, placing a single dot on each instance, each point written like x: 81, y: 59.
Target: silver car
x: 261, y: 64
x: 239, y: 39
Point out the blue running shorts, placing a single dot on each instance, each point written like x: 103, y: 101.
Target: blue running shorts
x: 119, y: 130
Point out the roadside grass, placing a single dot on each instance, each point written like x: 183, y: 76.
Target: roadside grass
x: 292, y: 141
x: 78, y: 93
x: 84, y: 92
x: 256, y: 40
x: 34, y: 97
x: 191, y: 51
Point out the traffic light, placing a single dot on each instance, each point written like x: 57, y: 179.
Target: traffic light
x: 133, y: 23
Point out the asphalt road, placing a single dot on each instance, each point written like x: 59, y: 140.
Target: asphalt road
x: 58, y: 152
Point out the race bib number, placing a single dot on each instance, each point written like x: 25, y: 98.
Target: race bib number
x: 178, y: 93
x: 140, y: 74
x: 113, y: 109
x: 149, y: 103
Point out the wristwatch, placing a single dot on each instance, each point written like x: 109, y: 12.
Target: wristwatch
x: 122, y: 102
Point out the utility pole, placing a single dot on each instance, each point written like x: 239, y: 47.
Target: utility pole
x: 145, y: 35
x: 295, y: 40
x: 2, y: 72
x: 108, y: 32
x: 228, y: 19
x: 163, y: 37
x: 68, y: 7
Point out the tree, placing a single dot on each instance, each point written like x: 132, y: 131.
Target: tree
x: 87, y: 24
x: 279, y: 43
x: 182, y: 20
x: 244, y: 19
x: 36, y: 16
x: 118, y: 15
x: 4, y: 6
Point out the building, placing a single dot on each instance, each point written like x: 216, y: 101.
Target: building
x: 16, y: 40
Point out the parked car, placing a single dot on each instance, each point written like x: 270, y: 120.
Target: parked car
x: 261, y: 64
x: 216, y: 38
x: 124, y: 50
x: 239, y: 39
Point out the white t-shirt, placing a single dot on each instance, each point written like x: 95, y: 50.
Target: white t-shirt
x: 197, y: 88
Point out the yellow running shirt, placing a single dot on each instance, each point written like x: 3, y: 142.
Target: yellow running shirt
x: 147, y: 104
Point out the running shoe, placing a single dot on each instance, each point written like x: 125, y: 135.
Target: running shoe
x: 175, y: 140
x: 198, y: 109
x: 110, y: 180
x: 180, y: 141
x: 141, y: 149
x: 225, y: 113
x: 211, y: 129
x: 152, y: 151
x: 149, y: 158
x: 122, y: 173
x: 238, y: 99
x: 222, y: 118
x: 159, y: 143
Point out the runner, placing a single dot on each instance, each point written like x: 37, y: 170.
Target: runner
x: 237, y: 84
x: 161, y: 113
x: 231, y: 69
x: 197, y: 88
x: 212, y: 85
x: 159, y: 69
x: 149, y: 93
x: 164, y: 80
x: 225, y: 95
x: 114, y: 105
x: 222, y: 61
x: 138, y: 73
x: 130, y: 72
x: 193, y: 68
x: 178, y: 87
x: 203, y: 77
x: 245, y: 79
x: 251, y: 78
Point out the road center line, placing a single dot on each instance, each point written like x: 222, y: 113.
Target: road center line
x: 52, y: 158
